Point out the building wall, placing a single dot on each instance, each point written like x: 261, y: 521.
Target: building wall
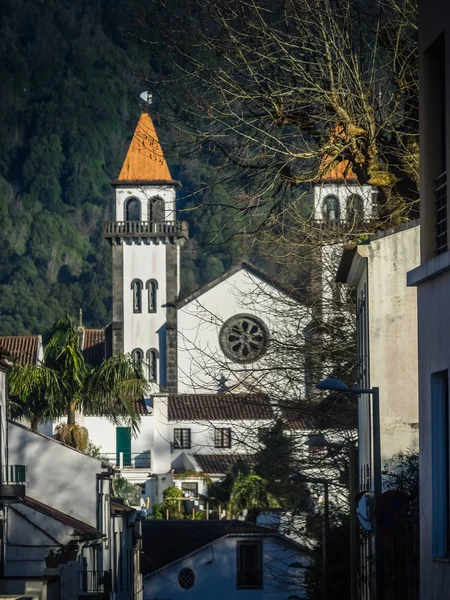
x: 203, y: 367
x: 393, y: 337
x: 215, y: 574
x: 57, y: 475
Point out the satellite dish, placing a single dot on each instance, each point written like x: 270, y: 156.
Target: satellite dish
x: 146, y: 97
x: 365, y: 510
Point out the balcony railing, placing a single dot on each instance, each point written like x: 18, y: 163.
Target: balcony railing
x: 440, y: 209
x: 132, y: 460
x: 145, y: 229
x: 93, y: 582
x: 14, y: 474
x: 13, y: 480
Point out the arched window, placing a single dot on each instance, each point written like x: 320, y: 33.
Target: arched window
x: 152, y: 287
x: 355, y: 209
x: 132, y: 209
x: 156, y: 209
x: 152, y: 361
x: 136, y: 287
x: 137, y: 355
x: 331, y: 209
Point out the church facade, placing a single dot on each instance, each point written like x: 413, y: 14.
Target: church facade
x: 219, y: 362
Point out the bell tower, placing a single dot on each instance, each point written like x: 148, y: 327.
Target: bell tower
x: 145, y: 238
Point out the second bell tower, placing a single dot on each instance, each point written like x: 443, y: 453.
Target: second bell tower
x: 145, y: 239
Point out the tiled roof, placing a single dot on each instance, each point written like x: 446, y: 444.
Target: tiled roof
x: 79, y: 527
x: 219, y: 407
x: 145, y: 160
x: 94, y: 346
x: 23, y: 348
x: 164, y: 542
x: 219, y: 464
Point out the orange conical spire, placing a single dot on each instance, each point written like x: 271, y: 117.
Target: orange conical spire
x: 332, y: 169
x: 145, y: 159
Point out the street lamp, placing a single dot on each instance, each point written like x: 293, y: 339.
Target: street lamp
x: 336, y: 385
x: 326, y: 526
x: 318, y: 440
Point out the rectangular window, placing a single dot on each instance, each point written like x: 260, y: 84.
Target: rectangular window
x: 440, y: 465
x: 190, y: 488
x: 222, y: 438
x: 182, y: 438
x: 249, y: 565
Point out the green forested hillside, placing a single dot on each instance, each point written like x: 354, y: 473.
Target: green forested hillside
x: 68, y: 105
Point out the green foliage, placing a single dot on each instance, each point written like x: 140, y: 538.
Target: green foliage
x: 93, y: 450
x: 65, y: 383
x: 126, y: 491
x: 401, y: 473
x: 73, y: 435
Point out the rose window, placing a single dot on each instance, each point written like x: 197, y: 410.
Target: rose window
x: 244, y: 338
x: 186, y: 578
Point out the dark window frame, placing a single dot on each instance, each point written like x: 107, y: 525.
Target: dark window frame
x: 137, y: 354
x: 152, y: 361
x: 138, y: 203
x: 136, y: 288
x: 183, y: 442
x: 156, y: 209
x: 249, y: 577
x: 222, y: 437
x: 194, y: 484
x: 152, y: 295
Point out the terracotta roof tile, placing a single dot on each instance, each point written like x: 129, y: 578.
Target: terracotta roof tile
x: 219, y: 464
x: 23, y: 348
x: 94, y: 346
x: 145, y: 159
x: 219, y: 407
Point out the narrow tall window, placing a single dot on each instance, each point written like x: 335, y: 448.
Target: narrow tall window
x: 152, y: 290
x: 440, y: 465
x: 136, y: 286
x: 355, y: 209
x: 331, y: 209
x: 156, y: 209
x: 132, y: 210
x: 249, y: 565
x: 222, y: 437
x: 182, y: 438
x: 152, y: 360
x: 137, y: 355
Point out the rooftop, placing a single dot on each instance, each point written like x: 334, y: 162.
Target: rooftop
x: 219, y: 407
x: 145, y: 162
x: 219, y: 464
x: 23, y: 348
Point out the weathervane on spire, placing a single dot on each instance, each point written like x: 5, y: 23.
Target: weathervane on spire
x: 146, y: 98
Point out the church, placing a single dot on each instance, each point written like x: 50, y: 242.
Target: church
x: 218, y: 361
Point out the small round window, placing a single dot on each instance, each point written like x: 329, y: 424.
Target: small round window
x: 243, y: 338
x: 186, y: 578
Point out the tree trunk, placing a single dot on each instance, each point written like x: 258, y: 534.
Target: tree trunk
x: 34, y: 422
x: 71, y: 413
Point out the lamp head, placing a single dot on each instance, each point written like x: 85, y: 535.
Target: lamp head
x: 332, y: 384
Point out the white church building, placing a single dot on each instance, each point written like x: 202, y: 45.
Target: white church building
x: 218, y: 361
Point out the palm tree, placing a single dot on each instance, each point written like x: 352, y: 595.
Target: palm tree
x: 64, y: 383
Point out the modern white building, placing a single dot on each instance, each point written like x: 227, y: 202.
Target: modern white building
x: 432, y: 279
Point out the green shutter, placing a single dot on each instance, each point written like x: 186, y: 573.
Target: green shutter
x: 123, y: 444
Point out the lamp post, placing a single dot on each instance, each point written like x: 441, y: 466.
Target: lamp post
x: 320, y: 441
x: 336, y: 385
x: 326, y: 527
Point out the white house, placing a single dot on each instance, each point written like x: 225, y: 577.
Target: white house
x: 222, y: 560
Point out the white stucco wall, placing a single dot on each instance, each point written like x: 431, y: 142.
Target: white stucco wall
x: 145, y: 194
x: 201, y: 362
x: 57, y: 475
x: 215, y: 574
x: 343, y: 192
x: 392, y: 314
